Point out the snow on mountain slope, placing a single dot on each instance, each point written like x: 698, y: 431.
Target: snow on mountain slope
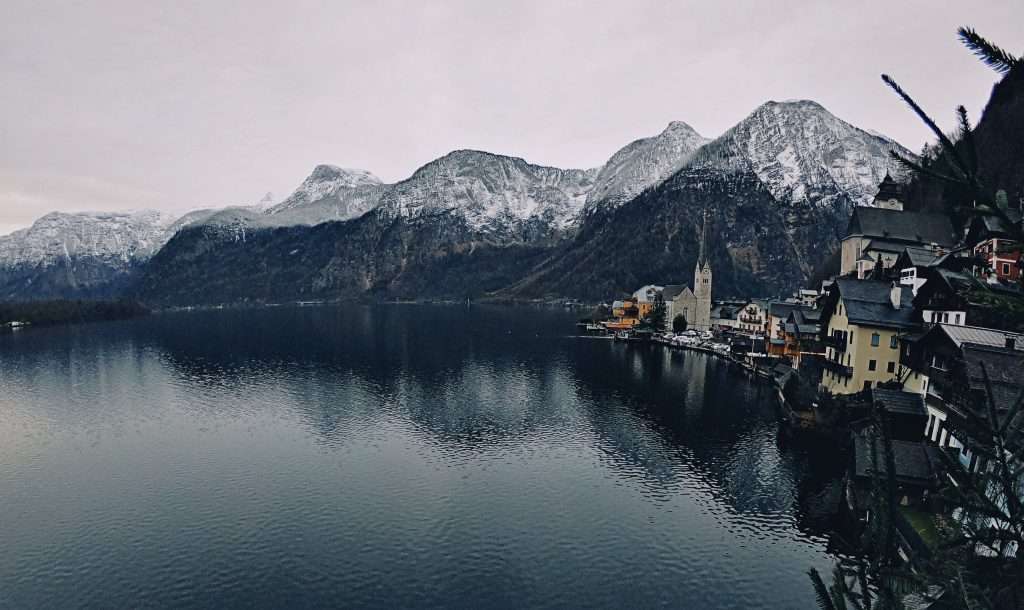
x: 350, y: 190
x: 643, y: 163
x: 801, y: 152
x: 115, y: 237
x: 492, y: 191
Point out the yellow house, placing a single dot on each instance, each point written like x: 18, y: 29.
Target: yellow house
x: 863, y: 321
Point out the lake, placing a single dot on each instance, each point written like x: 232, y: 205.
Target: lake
x: 396, y: 456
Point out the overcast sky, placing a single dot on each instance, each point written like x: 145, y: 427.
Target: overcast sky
x: 175, y: 105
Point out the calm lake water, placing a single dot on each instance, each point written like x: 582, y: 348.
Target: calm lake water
x: 395, y: 456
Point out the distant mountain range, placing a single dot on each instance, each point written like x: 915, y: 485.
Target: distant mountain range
x: 778, y: 187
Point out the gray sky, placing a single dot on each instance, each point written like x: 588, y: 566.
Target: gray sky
x: 123, y: 105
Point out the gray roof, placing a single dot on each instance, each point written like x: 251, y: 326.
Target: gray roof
x: 923, y: 257
x: 913, y: 460
x: 981, y: 336
x: 898, y: 401
x: 1003, y: 367
x: 899, y: 225
x: 672, y: 291
x: 867, y: 303
x: 782, y: 309
x: 885, y: 245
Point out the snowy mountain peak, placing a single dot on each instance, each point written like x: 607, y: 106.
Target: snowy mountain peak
x: 118, y: 237
x: 342, y: 175
x: 644, y: 163
x: 494, y: 193
x: 802, y: 152
x: 330, y: 182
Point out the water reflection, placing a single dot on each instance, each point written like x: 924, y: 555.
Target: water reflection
x: 396, y: 455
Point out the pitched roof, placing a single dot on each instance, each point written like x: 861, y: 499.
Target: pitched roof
x: 889, y: 189
x: 671, y: 291
x: 913, y: 460
x: 885, y: 245
x: 977, y: 335
x: 923, y: 257
x: 867, y: 303
x: 781, y: 309
x: 898, y: 401
x: 1003, y: 367
x: 899, y: 225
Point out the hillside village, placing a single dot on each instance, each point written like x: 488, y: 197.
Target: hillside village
x: 921, y: 316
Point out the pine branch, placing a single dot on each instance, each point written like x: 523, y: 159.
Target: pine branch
x: 947, y: 144
x: 917, y: 167
x: 993, y: 56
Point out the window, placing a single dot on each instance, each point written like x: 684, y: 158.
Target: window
x: 1006, y: 268
x: 851, y: 338
x: 956, y: 318
x: 945, y: 318
x: 891, y: 367
x: 872, y: 365
x: 847, y: 359
x: 894, y: 341
x: 874, y: 339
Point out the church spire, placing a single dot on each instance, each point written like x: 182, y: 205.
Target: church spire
x: 702, y: 259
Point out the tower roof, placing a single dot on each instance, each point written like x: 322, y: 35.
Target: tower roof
x: 702, y: 258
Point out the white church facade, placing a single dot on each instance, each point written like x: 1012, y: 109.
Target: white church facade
x: 693, y: 304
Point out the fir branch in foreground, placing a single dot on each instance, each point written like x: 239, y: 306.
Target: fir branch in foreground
x: 994, y: 57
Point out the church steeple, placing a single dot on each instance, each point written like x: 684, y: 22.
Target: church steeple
x: 702, y: 258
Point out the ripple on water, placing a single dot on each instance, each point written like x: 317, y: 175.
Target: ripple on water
x: 391, y: 457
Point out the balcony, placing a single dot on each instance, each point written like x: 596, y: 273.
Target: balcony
x: 836, y: 367
x: 836, y: 342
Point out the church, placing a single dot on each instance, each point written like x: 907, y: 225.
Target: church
x: 693, y: 304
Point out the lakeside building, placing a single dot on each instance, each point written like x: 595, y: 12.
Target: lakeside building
x: 725, y: 315
x: 778, y: 313
x: 802, y: 335
x: 753, y: 318
x: 692, y: 303
x: 862, y: 321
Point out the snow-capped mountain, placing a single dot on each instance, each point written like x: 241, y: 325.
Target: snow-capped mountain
x: 118, y: 237
x: 80, y: 254
x: 349, y: 191
x: 802, y: 153
x: 491, y: 192
x: 643, y: 163
x: 778, y: 187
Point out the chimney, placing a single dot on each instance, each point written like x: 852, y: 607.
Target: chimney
x: 1011, y: 342
x: 895, y: 293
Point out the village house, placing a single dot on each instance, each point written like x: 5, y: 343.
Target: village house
x: 626, y: 314
x: 862, y: 321
x: 725, y: 315
x: 753, y: 318
x: 778, y: 313
x: 914, y: 263
x: 939, y: 365
x: 993, y: 243
x: 802, y: 334
x: 808, y: 297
